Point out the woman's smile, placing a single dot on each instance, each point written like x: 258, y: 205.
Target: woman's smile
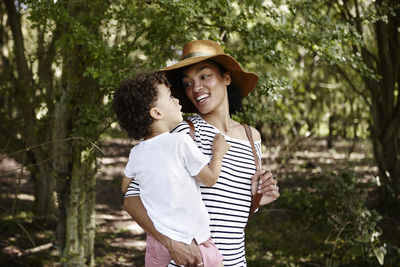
x: 202, y: 98
x: 205, y: 86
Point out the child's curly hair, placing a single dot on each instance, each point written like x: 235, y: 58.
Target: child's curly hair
x: 133, y: 100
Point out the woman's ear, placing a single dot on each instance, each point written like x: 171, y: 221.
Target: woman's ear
x: 227, y: 78
x: 155, y: 113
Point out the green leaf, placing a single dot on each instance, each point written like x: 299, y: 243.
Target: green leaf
x: 380, y: 254
x: 355, y: 251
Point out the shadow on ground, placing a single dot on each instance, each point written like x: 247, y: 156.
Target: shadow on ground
x: 119, y: 240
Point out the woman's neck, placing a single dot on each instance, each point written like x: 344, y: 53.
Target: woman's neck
x: 220, y: 120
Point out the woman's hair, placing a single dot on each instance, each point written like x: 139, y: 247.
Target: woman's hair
x: 235, y: 100
x: 234, y: 96
x: 133, y: 100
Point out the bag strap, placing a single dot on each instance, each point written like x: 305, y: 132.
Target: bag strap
x: 191, y: 130
x: 255, y: 201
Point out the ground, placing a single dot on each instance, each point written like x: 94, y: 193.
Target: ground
x: 119, y: 240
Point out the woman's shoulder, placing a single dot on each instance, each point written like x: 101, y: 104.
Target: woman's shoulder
x: 242, y: 132
x: 200, y: 125
x: 182, y: 127
x: 195, y: 119
x: 256, y: 134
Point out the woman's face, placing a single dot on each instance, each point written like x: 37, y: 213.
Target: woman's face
x: 205, y: 86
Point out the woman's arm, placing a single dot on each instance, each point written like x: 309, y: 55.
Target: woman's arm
x: 267, y: 185
x: 181, y: 253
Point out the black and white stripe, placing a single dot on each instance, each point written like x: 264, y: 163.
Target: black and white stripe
x: 228, y: 201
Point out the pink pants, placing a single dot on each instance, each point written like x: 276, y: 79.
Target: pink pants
x: 157, y: 255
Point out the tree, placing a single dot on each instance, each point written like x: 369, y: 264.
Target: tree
x: 62, y: 61
x: 54, y: 112
x: 19, y: 107
x: 360, y: 39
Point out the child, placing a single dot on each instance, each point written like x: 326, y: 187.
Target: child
x: 168, y: 166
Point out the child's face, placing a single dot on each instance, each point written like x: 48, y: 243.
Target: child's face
x: 168, y: 106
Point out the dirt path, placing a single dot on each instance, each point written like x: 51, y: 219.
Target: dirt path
x: 119, y: 240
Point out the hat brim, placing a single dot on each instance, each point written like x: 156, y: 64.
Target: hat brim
x: 241, y: 80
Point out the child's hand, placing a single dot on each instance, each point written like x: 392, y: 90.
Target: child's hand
x: 220, y: 146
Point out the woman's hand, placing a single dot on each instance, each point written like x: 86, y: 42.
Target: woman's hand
x: 267, y: 186
x: 183, y: 254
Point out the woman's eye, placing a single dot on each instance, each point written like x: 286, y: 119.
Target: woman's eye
x: 205, y: 76
x: 186, y: 85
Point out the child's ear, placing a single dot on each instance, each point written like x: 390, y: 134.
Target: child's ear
x: 155, y: 113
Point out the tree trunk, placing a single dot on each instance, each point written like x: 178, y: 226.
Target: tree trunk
x: 387, y: 155
x: 385, y: 108
x: 75, y: 174
x: 30, y: 131
x: 75, y: 164
x: 45, y: 202
x: 80, y: 224
x: 331, y: 131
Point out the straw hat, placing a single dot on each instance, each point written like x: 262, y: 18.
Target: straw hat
x: 200, y: 50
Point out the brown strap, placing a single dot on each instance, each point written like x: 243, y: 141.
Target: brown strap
x: 255, y: 202
x: 191, y: 126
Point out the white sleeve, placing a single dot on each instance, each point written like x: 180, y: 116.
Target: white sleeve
x: 133, y: 189
x: 194, y: 159
x: 129, y: 169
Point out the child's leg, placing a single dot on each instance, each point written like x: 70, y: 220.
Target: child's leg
x: 211, y: 255
x: 156, y: 254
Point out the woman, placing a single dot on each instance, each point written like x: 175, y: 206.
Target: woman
x: 212, y: 83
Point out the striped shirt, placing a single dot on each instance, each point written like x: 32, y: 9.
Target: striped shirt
x: 228, y: 201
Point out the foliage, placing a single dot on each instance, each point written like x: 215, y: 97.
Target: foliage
x: 326, y: 219
x: 327, y: 68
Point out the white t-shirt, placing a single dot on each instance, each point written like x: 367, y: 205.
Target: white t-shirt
x: 164, y: 167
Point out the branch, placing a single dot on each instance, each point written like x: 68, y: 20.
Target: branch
x: 93, y: 145
x: 346, y: 15
x: 46, y: 57
x: 357, y: 18
x: 4, y: 40
x: 352, y: 86
x: 14, y: 20
x: 336, y: 241
x: 38, y: 248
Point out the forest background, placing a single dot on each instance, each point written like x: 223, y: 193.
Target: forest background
x: 327, y: 105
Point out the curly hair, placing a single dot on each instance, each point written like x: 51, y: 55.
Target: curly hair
x: 133, y: 100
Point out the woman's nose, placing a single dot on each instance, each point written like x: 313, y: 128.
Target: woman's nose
x: 198, y: 87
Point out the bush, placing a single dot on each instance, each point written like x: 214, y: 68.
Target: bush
x: 322, y: 221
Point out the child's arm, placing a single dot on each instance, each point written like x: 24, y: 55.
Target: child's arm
x: 125, y: 184
x: 210, y: 173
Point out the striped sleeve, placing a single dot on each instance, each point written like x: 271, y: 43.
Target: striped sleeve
x: 133, y: 189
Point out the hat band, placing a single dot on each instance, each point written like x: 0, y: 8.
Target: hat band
x: 197, y: 54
